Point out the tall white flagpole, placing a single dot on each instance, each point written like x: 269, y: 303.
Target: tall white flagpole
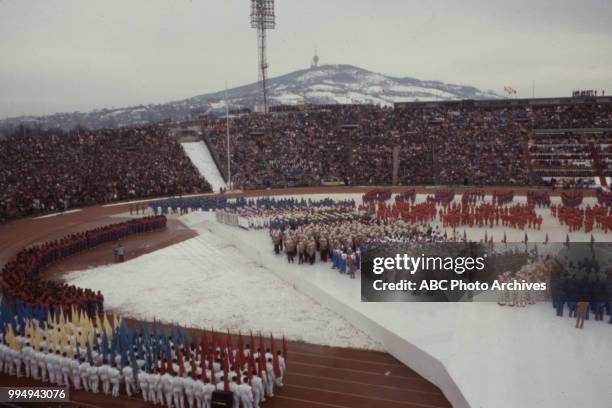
x: 229, y: 169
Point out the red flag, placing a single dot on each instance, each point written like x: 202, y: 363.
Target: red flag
x: 275, y: 363
x: 162, y: 366
x: 251, y: 366
x: 202, y: 360
x: 262, y: 353
x: 194, y: 370
x: 225, y: 373
x: 229, y: 345
x: 213, y: 379
x: 205, y: 343
x: 181, y: 363
x: 252, y: 347
x: 240, y: 352
x: 187, y: 347
x: 169, y: 367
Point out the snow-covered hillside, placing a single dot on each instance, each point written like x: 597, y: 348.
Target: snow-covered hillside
x: 326, y: 84
x: 331, y: 84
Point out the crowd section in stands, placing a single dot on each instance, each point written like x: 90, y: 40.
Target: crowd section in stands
x: 575, y: 157
x: 440, y: 144
x: 22, y: 282
x: 52, y: 171
x: 437, y: 145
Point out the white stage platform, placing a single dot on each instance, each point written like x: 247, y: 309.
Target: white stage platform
x: 479, y: 354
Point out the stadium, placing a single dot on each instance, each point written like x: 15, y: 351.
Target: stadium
x: 269, y: 245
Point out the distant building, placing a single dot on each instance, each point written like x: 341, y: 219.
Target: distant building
x: 315, y: 60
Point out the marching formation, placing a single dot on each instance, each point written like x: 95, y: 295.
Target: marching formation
x: 102, y: 354
x: 340, y: 234
x: 531, y: 272
x: 588, y: 218
x: 21, y: 279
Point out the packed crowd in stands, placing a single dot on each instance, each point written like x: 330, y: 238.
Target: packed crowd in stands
x: 588, y: 92
x: 166, y: 366
x: 53, y: 171
x: 22, y: 279
x: 444, y: 145
x: 566, y: 154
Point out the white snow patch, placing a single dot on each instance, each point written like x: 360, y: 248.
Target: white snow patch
x: 323, y: 87
x: 57, y: 213
x: 201, y: 158
x: 208, y: 282
x: 288, y: 98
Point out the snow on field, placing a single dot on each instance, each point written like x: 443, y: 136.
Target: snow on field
x: 56, y: 214
x: 228, y: 278
x: 517, y: 352
x: 207, y: 282
x: 200, y: 157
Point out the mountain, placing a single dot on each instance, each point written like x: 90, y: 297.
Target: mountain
x: 325, y: 84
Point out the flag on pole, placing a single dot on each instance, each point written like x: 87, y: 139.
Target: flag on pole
x: 162, y: 365
x: 262, y: 352
x: 275, y: 362
x: 225, y: 373
x: 181, y: 363
x: 251, y: 368
x: 211, y: 364
x: 230, y: 346
x: 202, y: 359
x: 194, y: 373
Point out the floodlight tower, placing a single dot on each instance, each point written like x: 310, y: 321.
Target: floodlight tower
x: 262, y: 18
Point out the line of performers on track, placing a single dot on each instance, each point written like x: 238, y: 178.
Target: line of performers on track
x: 174, y: 370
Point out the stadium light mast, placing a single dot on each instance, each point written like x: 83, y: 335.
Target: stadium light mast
x: 262, y: 18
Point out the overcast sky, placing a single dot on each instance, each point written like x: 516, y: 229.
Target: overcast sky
x: 67, y: 55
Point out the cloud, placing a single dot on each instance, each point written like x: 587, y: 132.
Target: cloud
x: 66, y: 55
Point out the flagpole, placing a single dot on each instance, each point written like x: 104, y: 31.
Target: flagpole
x: 229, y: 169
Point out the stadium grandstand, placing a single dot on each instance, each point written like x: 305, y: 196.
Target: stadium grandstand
x: 331, y: 237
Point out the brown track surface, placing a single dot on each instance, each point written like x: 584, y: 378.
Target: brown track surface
x: 318, y: 376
